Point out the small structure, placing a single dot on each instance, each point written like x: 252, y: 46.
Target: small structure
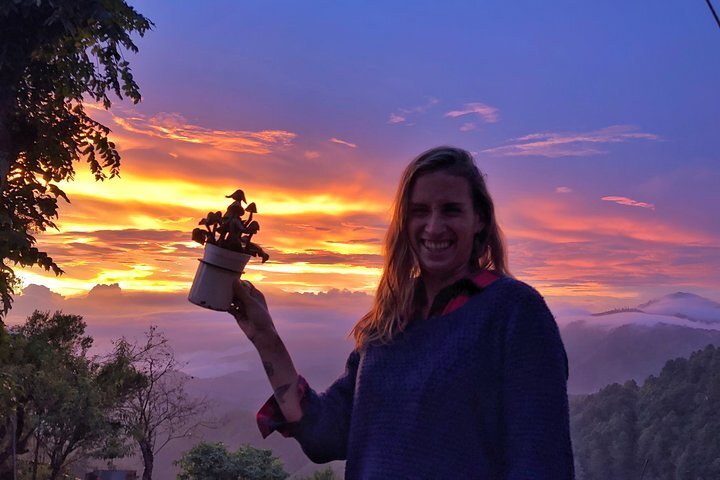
x: 111, y: 475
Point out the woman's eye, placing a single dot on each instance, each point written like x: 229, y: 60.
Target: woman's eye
x: 418, y: 211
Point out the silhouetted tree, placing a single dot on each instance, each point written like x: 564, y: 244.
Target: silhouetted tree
x: 59, y: 397
x: 161, y: 411
x: 213, y: 461
x: 54, y: 55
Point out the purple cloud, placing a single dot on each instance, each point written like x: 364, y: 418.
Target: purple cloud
x: 566, y: 144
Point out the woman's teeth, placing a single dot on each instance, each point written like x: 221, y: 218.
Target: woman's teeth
x: 430, y: 245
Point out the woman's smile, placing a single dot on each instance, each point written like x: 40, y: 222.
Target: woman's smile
x: 442, y: 224
x: 436, y: 246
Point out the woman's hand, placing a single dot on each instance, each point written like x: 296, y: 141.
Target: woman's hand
x: 251, y: 312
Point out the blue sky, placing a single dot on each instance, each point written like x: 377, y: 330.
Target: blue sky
x: 596, y: 124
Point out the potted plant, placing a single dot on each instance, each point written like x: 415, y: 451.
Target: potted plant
x: 228, y: 247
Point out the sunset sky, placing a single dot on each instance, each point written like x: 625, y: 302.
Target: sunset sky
x: 597, y: 124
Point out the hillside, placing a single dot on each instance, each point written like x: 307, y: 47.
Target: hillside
x: 634, y: 342
x: 598, y: 356
x: 663, y: 430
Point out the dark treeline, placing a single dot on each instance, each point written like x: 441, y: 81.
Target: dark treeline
x: 55, y: 400
x: 59, y: 403
x: 665, y: 429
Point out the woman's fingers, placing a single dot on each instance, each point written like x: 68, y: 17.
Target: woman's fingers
x: 244, y: 290
x: 241, y: 289
x: 248, y: 302
x: 241, y: 296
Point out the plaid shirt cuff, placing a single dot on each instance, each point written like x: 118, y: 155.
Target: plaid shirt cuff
x: 270, y: 417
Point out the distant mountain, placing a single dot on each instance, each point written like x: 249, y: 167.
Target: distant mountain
x: 687, y: 306
x: 635, y: 342
x: 599, y: 357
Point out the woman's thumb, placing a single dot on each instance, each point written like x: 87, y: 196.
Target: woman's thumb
x: 241, y: 290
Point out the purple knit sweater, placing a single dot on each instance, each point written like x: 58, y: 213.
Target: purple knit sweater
x: 479, y: 393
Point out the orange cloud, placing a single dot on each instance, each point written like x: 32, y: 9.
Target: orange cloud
x: 579, y: 251
x: 158, y: 158
x: 134, y: 231
x: 324, y: 211
x: 535, y: 217
x: 173, y: 126
x: 147, y: 247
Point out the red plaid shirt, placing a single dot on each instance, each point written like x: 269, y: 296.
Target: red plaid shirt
x: 452, y: 297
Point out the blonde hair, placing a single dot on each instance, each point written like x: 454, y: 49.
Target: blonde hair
x: 393, y: 306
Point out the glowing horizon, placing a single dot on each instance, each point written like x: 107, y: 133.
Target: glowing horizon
x: 604, y: 184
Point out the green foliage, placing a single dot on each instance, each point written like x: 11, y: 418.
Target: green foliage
x: 604, y: 433
x: 666, y: 429
x: 213, y: 461
x: 324, y: 474
x: 680, y: 418
x: 55, y: 55
x: 42, y: 471
x: 59, y: 396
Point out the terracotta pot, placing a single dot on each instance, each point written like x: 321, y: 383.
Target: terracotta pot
x: 218, y: 269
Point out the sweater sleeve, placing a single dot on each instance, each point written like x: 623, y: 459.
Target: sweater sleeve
x: 535, y: 404
x: 325, y: 424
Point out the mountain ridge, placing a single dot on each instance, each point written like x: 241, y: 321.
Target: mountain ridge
x: 682, y: 305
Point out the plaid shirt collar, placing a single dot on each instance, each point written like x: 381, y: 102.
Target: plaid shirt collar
x: 455, y: 295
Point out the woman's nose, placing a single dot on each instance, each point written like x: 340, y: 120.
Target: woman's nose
x: 435, y: 223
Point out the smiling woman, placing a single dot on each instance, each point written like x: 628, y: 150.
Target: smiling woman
x: 458, y: 369
x: 442, y: 226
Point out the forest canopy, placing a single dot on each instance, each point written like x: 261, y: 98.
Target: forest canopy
x: 665, y: 429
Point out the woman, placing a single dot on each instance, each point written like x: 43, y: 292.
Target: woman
x: 458, y: 370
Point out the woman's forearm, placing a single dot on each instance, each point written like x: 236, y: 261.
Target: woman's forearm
x: 282, y: 375
x: 252, y: 315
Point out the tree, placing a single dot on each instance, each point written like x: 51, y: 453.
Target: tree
x: 213, y: 461
x: 54, y: 55
x: 39, y: 354
x: 663, y: 430
x: 161, y: 411
x: 604, y: 432
x: 679, y: 418
x: 58, y: 396
x: 324, y: 474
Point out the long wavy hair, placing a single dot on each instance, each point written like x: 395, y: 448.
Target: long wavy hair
x: 393, y: 306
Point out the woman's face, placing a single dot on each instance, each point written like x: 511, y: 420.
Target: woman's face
x: 442, y: 224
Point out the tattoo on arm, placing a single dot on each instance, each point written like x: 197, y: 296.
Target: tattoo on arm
x: 269, y: 369
x: 281, y: 391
